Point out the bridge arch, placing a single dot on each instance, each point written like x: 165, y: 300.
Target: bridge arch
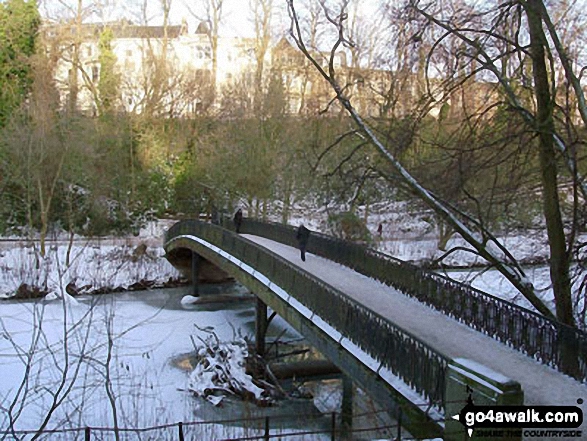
x: 365, y: 345
x: 357, y: 340
x: 180, y: 256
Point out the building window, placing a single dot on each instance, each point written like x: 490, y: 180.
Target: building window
x: 203, y: 52
x: 128, y: 53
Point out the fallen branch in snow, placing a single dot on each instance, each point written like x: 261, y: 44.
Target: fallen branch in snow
x: 221, y: 370
x: 275, y: 380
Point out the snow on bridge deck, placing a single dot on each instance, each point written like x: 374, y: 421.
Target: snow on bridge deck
x: 541, y: 384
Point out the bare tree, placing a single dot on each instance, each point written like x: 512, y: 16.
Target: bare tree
x: 304, y: 71
x: 73, y: 42
x: 69, y: 35
x: 45, y: 140
x: 44, y: 353
x: 482, y: 240
x: 70, y: 362
x: 212, y: 17
x: 541, y: 83
x: 262, y: 11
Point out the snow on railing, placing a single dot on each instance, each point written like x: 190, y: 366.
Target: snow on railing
x: 548, y: 341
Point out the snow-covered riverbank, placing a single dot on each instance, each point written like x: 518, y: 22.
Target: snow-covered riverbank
x: 135, y: 263
x: 94, y: 265
x: 140, y: 340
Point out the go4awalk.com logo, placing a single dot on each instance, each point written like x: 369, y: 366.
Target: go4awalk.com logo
x: 523, y: 417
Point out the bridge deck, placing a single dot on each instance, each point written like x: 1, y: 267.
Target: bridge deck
x: 541, y: 384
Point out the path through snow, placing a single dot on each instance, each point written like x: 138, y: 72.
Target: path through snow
x: 541, y: 384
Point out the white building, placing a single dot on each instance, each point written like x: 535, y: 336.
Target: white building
x: 167, y: 71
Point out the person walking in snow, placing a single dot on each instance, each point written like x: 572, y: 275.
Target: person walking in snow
x: 238, y: 220
x: 302, y: 235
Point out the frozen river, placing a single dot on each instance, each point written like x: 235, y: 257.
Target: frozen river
x: 123, y: 358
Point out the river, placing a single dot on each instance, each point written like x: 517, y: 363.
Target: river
x: 56, y: 352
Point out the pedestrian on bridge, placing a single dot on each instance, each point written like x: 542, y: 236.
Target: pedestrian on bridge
x: 238, y: 220
x: 302, y: 235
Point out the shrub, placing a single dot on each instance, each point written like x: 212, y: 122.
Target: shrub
x: 349, y: 226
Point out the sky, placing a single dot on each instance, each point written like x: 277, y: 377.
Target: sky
x: 237, y: 19
x: 237, y: 16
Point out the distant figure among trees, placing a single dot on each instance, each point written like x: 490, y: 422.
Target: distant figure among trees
x: 302, y: 235
x: 238, y: 220
x: 214, y: 215
x: 380, y: 230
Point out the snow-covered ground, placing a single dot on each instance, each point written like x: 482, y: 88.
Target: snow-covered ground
x: 108, y: 264
x: 149, y: 331
x: 55, y: 351
x: 493, y: 282
x: 123, y: 353
x: 105, y: 263
x: 425, y: 249
x: 412, y: 235
x: 115, y: 263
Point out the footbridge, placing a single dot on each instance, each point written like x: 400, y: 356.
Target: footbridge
x: 420, y: 344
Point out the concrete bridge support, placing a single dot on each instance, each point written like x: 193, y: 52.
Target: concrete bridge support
x: 468, y: 381
x: 261, y: 324
x: 346, y: 422
x: 194, y: 266
x: 195, y: 274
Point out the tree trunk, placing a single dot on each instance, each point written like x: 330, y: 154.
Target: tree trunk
x: 559, y: 258
x: 44, y: 210
x: 43, y: 234
x: 69, y: 248
x: 445, y: 232
x: 286, y: 204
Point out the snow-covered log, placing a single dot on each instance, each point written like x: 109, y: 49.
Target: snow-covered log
x: 221, y: 370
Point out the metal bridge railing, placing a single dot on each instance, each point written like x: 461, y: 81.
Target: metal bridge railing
x: 548, y: 341
x: 408, y: 358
